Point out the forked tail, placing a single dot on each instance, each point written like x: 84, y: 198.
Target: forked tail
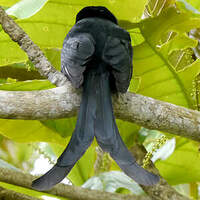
x: 95, y: 119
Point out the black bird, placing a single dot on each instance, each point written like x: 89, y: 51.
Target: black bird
x: 97, y: 55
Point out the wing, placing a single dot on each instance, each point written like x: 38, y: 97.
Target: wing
x: 118, y: 54
x: 77, y: 51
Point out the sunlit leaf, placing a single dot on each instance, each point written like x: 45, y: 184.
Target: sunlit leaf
x: 83, y: 169
x: 26, y: 8
x: 183, y: 165
x: 152, y: 58
x: 155, y: 7
x: 27, y: 85
x: 191, y: 5
x: 8, y: 3
x: 28, y: 131
x: 63, y: 127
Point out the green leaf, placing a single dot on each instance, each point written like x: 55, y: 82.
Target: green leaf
x: 63, y: 127
x: 8, y: 3
x: 27, y: 85
x: 183, y: 165
x: 10, y: 52
x: 158, y: 77
x: 28, y: 131
x: 20, y: 72
x: 154, y: 7
x: 26, y: 8
x: 83, y: 169
x: 179, y: 42
x: 191, y: 5
x: 53, y: 56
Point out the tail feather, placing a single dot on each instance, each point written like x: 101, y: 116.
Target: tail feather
x: 95, y: 119
x: 52, y: 177
x: 128, y: 164
x: 108, y: 137
x: 81, y: 139
x: 139, y: 174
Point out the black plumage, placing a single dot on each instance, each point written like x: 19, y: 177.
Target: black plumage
x: 96, y: 55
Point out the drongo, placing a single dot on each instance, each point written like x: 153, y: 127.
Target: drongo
x: 96, y: 55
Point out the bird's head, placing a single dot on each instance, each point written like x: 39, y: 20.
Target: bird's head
x: 96, y: 11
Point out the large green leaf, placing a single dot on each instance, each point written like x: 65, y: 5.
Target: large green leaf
x: 194, y: 3
x: 26, y: 70
x: 158, y: 77
x: 28, y: 131
x: 183, y: 165
x: 63, y: 127
x: 8, y: 3
x: 19, y: 72
x: 83, y: 169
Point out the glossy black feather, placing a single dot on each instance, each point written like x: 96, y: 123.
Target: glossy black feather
x: 97, y: 55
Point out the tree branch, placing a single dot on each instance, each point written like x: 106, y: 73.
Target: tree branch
x: 64, y: 102
x: 6, y: 194
x: 67, y: 191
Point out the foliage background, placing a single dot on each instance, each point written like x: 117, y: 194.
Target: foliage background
x: 166, y: 67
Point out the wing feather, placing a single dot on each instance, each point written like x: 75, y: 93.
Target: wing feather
x: 77, y: 51
x: 118, y: 54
